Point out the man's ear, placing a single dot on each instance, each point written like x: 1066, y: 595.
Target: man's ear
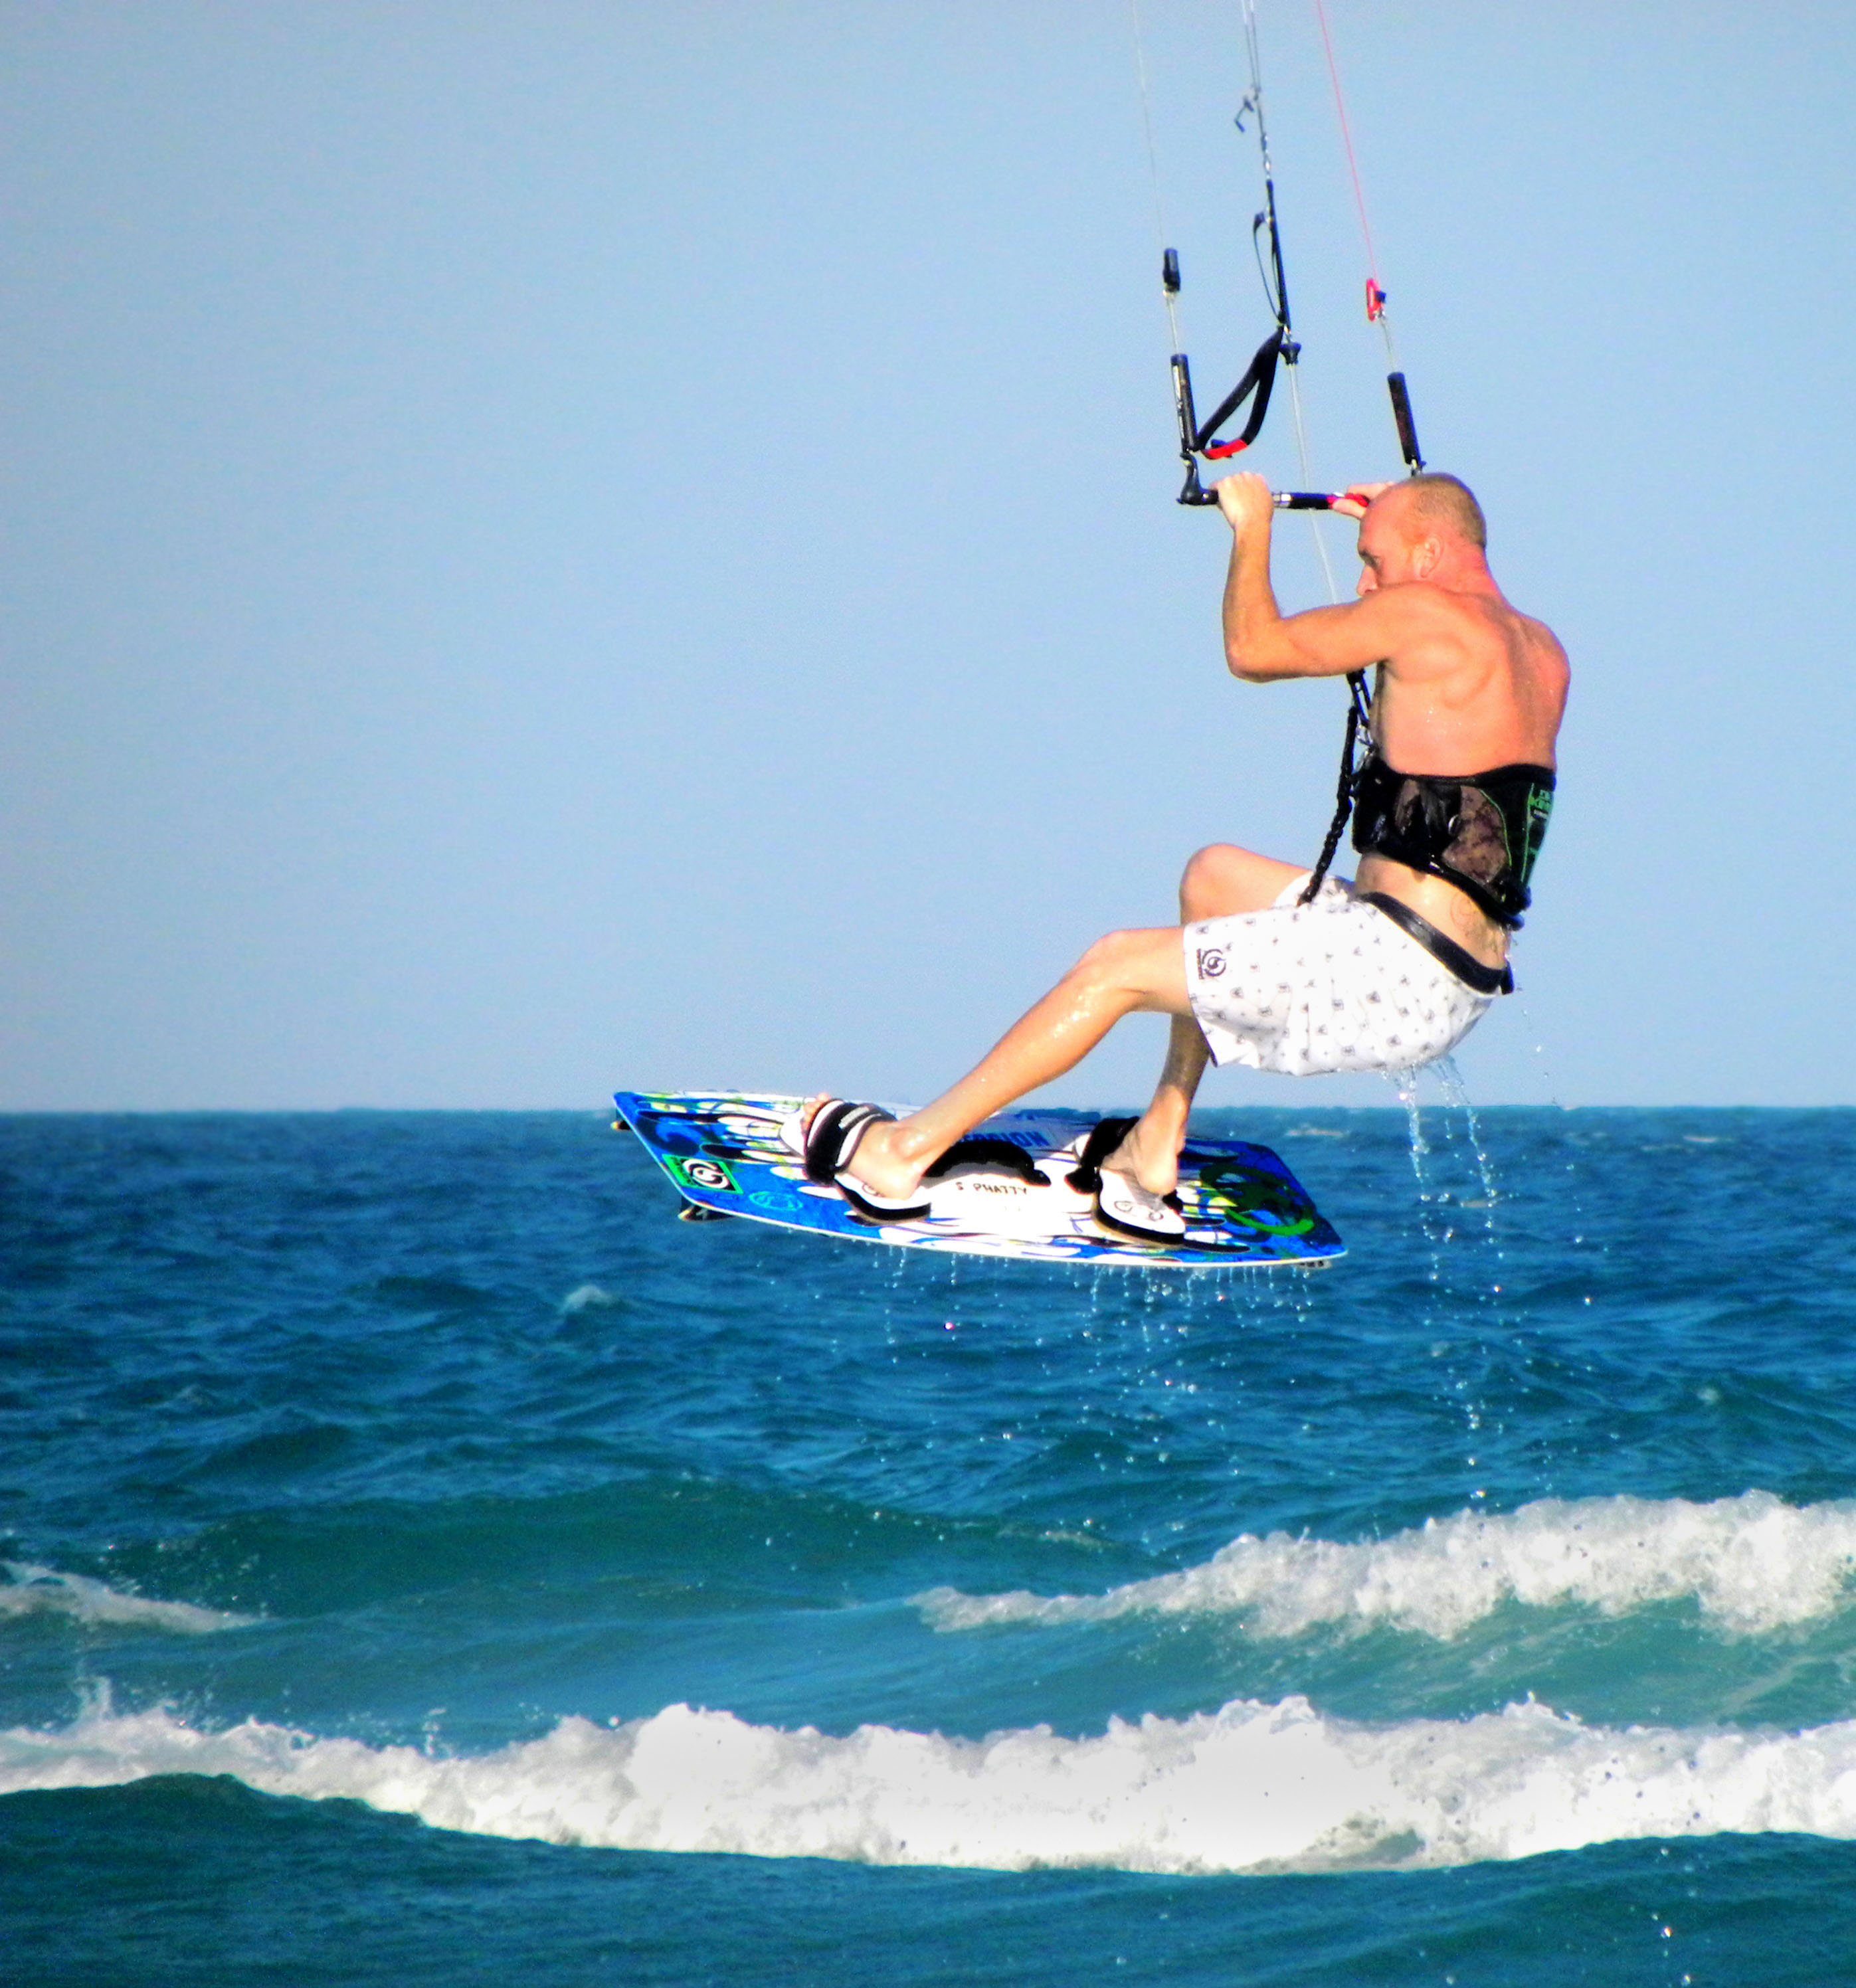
x: 1424, y: 559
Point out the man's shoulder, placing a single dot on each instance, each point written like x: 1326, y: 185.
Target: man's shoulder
x: 1492, y: 615
x: 1422, y: 615
x: 1546, y: 647
x: 1431, y: 597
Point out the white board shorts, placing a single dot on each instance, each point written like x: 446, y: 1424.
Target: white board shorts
x: 1307, y: 989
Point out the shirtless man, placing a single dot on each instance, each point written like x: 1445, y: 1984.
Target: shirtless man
x: 1385, y: 973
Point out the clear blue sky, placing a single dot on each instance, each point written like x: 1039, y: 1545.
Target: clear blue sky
x: 546, y: 547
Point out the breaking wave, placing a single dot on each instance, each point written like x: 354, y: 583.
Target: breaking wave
x: 1250, y: 1787
x: 1752, y: 1564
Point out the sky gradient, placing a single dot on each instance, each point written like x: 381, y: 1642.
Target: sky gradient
x: 550, y: 547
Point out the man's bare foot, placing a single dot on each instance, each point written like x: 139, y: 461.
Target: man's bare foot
x: 1149, y: 1156
x: 876, y: 1163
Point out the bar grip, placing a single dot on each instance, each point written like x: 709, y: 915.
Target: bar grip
x: 1401, y: 414
x: 1284, y: 500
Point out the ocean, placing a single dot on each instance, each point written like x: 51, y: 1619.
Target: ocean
x: 425, y: 1561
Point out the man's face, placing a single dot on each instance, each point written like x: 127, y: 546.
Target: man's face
x: 1387, y: 555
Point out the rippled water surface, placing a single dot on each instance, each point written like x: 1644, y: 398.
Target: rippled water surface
x: 426, y: 1561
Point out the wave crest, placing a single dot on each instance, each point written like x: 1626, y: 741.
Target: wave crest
x: 1250, y: 1787
x: 43, y: 1591
x: 1752, y: 1564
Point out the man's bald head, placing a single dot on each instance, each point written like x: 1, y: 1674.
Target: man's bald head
x: 1432, y: 502
x: 1429, y: 527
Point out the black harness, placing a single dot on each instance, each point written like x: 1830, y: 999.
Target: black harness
x: 1481, y: 832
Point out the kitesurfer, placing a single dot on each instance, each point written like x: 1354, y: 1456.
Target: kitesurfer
x: 1386, y: 972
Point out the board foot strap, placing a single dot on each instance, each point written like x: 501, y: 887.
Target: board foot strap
x: 1086, y: 1176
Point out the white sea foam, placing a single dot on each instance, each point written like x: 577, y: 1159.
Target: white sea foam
x: 1252, y: 1786
x: 1753, y: 1564
x: 42, y: 1590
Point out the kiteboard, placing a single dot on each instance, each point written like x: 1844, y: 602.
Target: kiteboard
x: 725, y: 1153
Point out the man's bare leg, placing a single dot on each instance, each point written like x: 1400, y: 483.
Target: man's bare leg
x: 1219, y: 883
x: 1127, y: 973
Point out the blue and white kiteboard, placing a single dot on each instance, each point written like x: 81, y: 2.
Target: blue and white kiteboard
x: 724, y: 1153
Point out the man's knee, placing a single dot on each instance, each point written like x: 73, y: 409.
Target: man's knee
x: 1223, y: 880
x: 1209, y: 877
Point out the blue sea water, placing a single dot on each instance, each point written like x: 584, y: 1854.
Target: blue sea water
x: 425, y: 1561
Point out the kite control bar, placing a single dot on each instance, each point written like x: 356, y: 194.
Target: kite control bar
x: 1284, y: 500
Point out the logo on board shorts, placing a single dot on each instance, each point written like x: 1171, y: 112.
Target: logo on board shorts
x: 1211, y: 961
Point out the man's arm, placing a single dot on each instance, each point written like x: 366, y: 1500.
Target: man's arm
x: 1263, y: 645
